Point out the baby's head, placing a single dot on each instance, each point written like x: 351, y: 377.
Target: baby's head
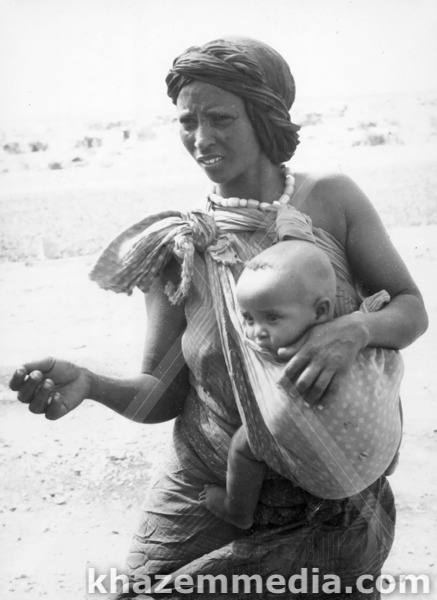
x: 285, y: 290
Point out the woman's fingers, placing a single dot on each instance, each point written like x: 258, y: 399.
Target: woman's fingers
x: 41, y: 400
x: 44, y: 365
x: 306, y: 379
x: 295, y: 367
x: 21, y: 375
x: 310, y: 378
x: 315, y: 391
x: 30, y: 386
x: 57, y: 408
x: 288, y: 352
x: 49, y: 386
x: 17, y: 379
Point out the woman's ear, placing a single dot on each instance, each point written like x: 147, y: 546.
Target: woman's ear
x: 323, y: 309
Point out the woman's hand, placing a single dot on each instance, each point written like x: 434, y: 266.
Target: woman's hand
x: 321, y: 353
x: 50, y: 386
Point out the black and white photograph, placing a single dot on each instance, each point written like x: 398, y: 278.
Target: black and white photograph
x: 210, y: 211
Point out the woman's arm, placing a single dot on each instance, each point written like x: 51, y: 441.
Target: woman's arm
x: 377, y: 265
x: 55, y: 387
x: 159, y: 392
x: 330, y: 348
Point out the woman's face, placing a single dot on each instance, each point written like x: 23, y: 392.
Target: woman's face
x: 217, y: 132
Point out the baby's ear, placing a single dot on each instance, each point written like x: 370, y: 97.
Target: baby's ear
x: 323, y: 309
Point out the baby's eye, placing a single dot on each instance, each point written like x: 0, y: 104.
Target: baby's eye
x: 272, y: 318
x: 248, y: 319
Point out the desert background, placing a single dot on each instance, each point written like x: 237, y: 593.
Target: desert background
x: 71, y: 489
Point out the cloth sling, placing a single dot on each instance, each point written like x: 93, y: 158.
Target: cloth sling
x: 332, y: 453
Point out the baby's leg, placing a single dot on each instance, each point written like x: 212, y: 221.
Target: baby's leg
x: 237, y: 503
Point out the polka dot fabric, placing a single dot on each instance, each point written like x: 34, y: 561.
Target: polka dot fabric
x: 341, y: 446
x: 347, y: 443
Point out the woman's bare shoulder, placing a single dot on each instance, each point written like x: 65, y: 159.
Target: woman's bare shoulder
x: 335, y: 188
x: 327, y: 197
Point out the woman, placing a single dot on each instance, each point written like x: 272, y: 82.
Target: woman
x: 233, y: 98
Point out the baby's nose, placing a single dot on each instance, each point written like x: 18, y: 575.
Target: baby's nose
x: 260, y: 331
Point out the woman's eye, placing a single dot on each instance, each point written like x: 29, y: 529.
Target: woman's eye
x: 248, y: 320
x: 222, y: 119
x: 187, y: 122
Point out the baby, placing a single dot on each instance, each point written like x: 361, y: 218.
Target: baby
x: 327, y: 450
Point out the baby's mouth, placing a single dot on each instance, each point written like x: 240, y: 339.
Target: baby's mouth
x: 265, y: 344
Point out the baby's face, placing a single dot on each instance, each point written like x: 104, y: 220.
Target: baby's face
x: 273, y: 316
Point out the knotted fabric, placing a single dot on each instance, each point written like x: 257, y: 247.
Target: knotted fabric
x: 138, y: 254
x: 256, y: 73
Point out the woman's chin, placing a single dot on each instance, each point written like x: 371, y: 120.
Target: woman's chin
x: 215, y: 176
x: 215, y: 171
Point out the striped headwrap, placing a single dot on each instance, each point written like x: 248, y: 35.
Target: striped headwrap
x: 256, y: 73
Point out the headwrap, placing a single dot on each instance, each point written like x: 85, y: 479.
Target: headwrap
x: 256, y: 73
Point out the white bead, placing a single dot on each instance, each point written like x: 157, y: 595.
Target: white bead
x: 243, y: 203
x: 234, y: 202
x: 252, y: 204
x: 215, y: 198
x: 284, y: 199
x: 264, y: 206
x: 224, y: 202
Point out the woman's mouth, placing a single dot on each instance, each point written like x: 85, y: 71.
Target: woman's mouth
x: 209, y: 161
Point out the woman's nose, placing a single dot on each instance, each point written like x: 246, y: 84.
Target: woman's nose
x: 204, y: 136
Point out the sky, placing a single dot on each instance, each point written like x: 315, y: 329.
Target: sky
x: 110, y: 57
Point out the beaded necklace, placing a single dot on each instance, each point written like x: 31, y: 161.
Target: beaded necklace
x: 232, y: 202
